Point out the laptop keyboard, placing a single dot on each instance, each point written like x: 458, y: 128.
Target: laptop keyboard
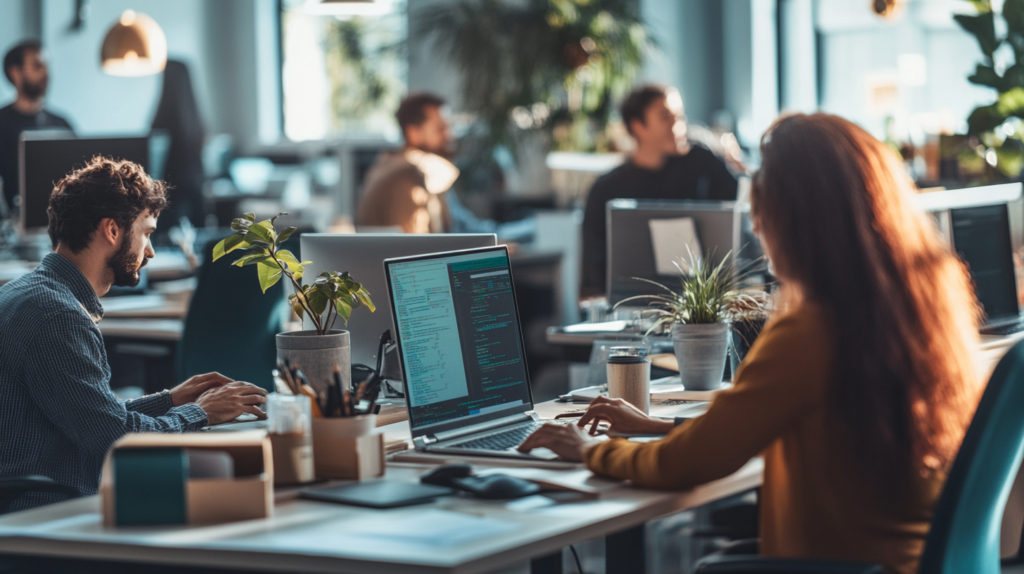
x: 500, y: 441
x: 1003, y: 329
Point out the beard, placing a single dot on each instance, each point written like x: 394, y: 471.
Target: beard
x: 123, y: 264
x: 34, y: 91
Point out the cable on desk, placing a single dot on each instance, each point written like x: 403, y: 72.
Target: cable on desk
x: 579, y: 568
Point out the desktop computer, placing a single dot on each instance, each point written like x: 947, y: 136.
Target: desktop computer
x: 363, y: 256
x: 45, y: 157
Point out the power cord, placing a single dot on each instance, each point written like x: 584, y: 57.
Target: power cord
x: 579, y: 567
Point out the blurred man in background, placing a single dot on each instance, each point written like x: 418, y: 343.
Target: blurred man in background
x: 26, y: 70
x: 660, y: 168
x: 411, y: 188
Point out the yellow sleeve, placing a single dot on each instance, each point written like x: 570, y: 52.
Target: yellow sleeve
x: 782, y: 379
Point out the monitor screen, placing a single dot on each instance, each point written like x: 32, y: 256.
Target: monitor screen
x: 46, y: 157
x: 981, y: 236
x: 459, y: 338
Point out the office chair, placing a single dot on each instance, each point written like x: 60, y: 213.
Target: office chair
x: 11, y: 487
x: 964, y: 535
x: 231, y: 323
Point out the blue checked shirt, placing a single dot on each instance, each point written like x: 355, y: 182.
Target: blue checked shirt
x: 58, y: 416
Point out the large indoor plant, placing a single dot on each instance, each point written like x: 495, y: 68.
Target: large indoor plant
x: 331, y: 295
x: 993, y: 149
x: 695, y: 317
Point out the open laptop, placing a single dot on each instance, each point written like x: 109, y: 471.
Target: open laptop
x: 981, y: 237
x: 462, y: 354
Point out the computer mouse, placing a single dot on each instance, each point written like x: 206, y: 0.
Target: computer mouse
x: 496, y: 486
x: 444, y: 474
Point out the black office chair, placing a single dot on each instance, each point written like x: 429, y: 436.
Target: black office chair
x: 964, y: 535
x: 11, y: 487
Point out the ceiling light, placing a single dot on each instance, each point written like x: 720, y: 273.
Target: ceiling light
x: 134, y: 46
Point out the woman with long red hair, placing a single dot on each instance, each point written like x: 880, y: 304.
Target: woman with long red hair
x: 858, y: 393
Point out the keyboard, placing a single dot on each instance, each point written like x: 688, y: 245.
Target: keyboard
x: 501, y: 440
x: 1003, y: 329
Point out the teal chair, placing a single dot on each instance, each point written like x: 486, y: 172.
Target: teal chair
x: 231, y: 323
x: 964, y: 537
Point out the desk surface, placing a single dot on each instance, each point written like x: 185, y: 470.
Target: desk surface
x: 307, y: 536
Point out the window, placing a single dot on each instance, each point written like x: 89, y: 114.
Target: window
x: 344, y: 67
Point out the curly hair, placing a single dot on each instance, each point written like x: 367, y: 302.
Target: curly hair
x: 102, y: 188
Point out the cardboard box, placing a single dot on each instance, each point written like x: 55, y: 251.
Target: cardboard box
x: 338, y: 455
x: 249, y: 494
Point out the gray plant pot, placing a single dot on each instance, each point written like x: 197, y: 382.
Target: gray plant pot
x: 316, y: 355
x: 701, y: 352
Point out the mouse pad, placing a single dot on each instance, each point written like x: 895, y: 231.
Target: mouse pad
x: 378, y: 494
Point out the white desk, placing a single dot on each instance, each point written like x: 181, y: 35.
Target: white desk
x: 307, y: 536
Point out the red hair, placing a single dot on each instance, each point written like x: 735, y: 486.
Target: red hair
x: 837, y: 212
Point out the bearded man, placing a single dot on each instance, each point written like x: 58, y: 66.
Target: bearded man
x: 26, y: 70
x: 58, y: 416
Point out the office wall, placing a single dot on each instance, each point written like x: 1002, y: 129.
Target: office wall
x: 858, y: 48
x: 229, y: 46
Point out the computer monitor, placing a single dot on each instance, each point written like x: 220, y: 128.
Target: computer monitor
x: 363, y: 256
x: 631, y: 251
x: 981, y: 237
x: 45, y: 157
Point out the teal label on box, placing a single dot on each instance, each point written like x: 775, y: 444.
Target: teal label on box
x: 149, y: 486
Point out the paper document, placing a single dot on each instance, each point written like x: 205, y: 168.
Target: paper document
x: 675, y: 239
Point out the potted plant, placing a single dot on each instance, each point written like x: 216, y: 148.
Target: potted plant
x: 695, y: 316
x: 747, y: 310
x: 330, y: 296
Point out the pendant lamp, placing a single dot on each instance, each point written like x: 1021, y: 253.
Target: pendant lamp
x: 134, y: 46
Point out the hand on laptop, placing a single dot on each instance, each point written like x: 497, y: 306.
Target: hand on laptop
x: 569, y: 442
x: 623, y: 417
x: 226, y: 402
x: 189, y: 391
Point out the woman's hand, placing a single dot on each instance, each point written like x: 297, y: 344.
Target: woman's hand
x: 569, y: 442
x: 622, y: 417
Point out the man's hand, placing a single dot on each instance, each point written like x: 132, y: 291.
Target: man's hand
x: 569, y: 442
x: 622, y: 417
x: 189, y: 391
x: 224, y: 403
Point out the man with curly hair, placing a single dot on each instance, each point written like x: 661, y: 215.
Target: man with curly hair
x: 60, y: 416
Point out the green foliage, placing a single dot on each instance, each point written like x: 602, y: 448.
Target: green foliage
x: 984, y: 121
x: 331, y: 295
x: 555, y: 65
x: 705, y: 294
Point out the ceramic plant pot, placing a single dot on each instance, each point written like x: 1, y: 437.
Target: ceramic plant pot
x: 743, y: 334
x: 316, y: 355
x: 701, y: 350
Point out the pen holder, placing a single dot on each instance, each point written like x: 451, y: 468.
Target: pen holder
x: 348, y: 447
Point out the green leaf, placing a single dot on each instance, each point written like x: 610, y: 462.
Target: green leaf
x: 1010, y: 160
x: 269, y: 274
x: 288, y: 257
x: 251, y: 259
x: 983, y: 28
x: 285, y: 234
x: 317, y: 300
x: 263, y: 231
x: 296, y: 305
x: 229, y: 244
x: 344, y: 308
x: 984, y: 118
x: 364, y: 296
x: 1011, y: 102
x: 986, y: 76
x: 250, y: 216
x: 273, y: 219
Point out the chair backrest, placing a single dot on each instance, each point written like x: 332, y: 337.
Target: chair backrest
x: 231, y: 323
x: 964, y: 536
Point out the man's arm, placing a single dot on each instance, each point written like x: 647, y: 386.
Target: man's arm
x: 154, y: 405
x: 68, y: 378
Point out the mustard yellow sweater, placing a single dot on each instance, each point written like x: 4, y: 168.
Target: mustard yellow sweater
x: 814, y: 501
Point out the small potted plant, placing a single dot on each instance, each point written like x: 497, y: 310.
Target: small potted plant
x: 696, y: 317
x: 747, y: 310
x: 330, y: 296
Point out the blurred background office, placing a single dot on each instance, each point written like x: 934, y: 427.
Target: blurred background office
x: 276, y: 106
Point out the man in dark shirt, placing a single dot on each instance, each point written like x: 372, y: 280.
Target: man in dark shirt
x: 59, y: 416
x: 26, y: 71
x: 657, y: 170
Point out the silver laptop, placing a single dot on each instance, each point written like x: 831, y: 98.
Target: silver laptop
x: 462, y: 354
